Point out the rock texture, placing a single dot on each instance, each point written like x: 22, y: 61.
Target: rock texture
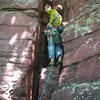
x: 18, y: 23
x: 20, y: 52
x: 80, y: 77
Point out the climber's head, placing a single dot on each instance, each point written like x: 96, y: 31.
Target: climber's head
x: 59, y: 7
x: 47, y: 7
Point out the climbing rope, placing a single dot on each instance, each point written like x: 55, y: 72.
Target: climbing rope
x: 46, y: 83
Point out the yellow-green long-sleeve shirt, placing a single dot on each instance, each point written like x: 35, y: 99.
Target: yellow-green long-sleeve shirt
x: 54, y: 14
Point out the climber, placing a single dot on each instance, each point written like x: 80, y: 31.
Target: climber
x: 54, y: 29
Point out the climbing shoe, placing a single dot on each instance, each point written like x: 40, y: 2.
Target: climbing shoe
x: 51, y: 62
x: 59, y: 60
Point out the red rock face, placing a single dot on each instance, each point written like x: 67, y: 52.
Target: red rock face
x: 81, y: 53
x: 20, y: 3
x: 17, y: 50
x: 80, y: 42
x: 80, y: 76
x: 84, y: 71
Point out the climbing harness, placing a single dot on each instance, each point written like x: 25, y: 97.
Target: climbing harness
x: 46, y: 83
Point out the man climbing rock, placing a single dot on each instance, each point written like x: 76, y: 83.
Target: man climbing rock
x: 54, y: 29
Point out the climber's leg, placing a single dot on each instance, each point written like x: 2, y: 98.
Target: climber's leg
x: 59, y: 53
x: 51, y: 55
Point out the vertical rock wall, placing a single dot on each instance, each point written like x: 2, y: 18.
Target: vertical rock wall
x: 18, y: 25
x: 80, y: 77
